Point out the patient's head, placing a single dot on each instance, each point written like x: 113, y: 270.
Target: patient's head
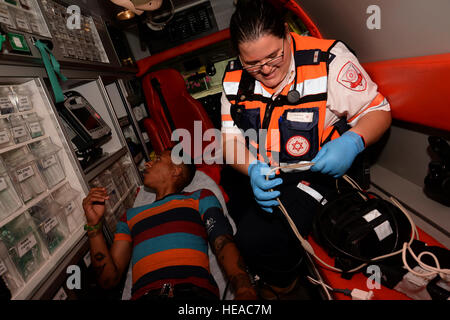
x: 161, y: 174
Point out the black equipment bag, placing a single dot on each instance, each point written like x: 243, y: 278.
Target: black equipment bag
x: 356, y: 227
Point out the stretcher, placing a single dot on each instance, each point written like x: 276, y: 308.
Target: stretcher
x: 359, y: 281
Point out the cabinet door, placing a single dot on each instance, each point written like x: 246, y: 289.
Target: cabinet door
x: 49, y: 214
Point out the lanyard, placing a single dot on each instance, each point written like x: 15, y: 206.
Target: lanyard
x: 53, y: 69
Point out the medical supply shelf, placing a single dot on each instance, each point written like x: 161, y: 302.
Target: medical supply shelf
x: 23, y: 144
x: 33, y: 283
x: 89, y: 84
x: 101, y: 82
x: 41, y: 105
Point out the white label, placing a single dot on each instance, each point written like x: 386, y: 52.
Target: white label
x: 24, y: 173
x: 300, y: 116
x: 4, y: 136
x: 19, y: 131
x: 35, y: 27
x: 49, y: 162
x: 372, y: 215
x: 3, y: 268
x: 35, y: 127
x: 26, y: 245
x: 17, y: 42
x: 3, y: 184
x: 138, y: 114
x: 49, y: 224
x: 60, y: 295
x: 24, y: 103
x: 313, y: 193
x: 4, y: 17
x: 383, y: 230
x: 70, y: 207
x: 21, y: 23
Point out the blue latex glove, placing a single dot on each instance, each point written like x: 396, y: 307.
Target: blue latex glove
x: 257, y: 172
x: 337, y: 156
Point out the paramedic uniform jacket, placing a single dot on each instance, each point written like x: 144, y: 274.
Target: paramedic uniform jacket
x: 333, y: 87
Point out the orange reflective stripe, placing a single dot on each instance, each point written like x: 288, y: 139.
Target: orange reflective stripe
x: 375, y: 102
x: 227, y: 117
x: 233, y: 76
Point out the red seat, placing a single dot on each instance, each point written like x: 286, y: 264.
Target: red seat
x: 183, y: 109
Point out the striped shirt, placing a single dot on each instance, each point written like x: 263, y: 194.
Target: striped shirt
x: 170, y: 240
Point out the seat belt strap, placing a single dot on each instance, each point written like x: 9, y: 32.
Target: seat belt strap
x: 156, y: 85
x: 53, y: 69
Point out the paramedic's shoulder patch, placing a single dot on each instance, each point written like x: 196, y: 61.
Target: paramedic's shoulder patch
x: 352, y: 78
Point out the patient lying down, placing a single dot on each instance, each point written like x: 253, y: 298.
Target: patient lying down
x: 167, y: 240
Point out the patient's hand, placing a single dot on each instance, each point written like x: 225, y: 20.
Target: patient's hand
x: 94, y: 205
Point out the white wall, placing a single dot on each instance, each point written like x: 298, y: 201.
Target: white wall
x: 408, y: 27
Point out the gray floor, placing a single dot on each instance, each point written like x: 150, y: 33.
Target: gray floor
x: 430, y: 216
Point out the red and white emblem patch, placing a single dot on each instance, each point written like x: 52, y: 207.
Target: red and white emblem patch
x: 352, y: 78
x: 297, y: 146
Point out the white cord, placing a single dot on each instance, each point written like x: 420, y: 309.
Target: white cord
x: 319, y: 282
x: 406, y: 247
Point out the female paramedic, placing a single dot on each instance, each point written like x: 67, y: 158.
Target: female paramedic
x: 307, y: 99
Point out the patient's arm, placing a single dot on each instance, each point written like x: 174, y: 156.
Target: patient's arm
x: 233, y: 265
x: 109, y: 265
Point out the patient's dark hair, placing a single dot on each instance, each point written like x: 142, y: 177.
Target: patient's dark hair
x: 253, y: 19
x: 188, y: 172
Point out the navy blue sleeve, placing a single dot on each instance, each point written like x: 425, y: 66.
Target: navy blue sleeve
x: 216, y: 223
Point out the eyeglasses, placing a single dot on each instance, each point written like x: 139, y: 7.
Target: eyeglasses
x: 271, y: 63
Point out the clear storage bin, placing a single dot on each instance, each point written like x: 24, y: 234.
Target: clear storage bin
x: 23, y: 98
x: 70, y: 200
x: 129, y: 201
x: 127, y: 168
x: 119, y: 179
x: 7, y: 105
x: 8, y: 271
x: 19, y: 129
x: 25, y: 174
x: 104, y: 180
x: 34, y: 124
x: 51, y: 222
x: 24, y: 245
x: 9, y: 199
x: 119, y: 212
x: 6, y: 138
x: 49, y: 163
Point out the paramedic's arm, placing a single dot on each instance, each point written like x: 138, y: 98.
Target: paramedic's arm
x: 373, y: 125
x: 367, y: 110
x: 235, y: 152
x: 109, y: 265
